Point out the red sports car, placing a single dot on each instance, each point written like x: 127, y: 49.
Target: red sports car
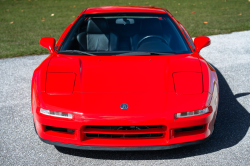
x: 124, y: 78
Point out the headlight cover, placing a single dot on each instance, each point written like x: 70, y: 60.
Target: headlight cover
x: 60, y: 83
x: 191, y: 113
x: 56, y: 114
x: 188, y: 83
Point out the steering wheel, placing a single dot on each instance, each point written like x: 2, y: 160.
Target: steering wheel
x: 151, y: 36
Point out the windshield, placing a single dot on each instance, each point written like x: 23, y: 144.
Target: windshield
x: 124, y: 34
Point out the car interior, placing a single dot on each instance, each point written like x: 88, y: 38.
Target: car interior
x: 128, y: 34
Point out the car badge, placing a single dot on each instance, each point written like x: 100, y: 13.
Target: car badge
x: 124, y: 106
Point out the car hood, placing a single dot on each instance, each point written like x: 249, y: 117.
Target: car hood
x: 124, y: 74
x: 102, y: 84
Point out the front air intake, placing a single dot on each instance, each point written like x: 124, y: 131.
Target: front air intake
x: 124, y: 132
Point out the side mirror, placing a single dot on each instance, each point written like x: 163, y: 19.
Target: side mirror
x: 49, y: 43
x: 201, y: 42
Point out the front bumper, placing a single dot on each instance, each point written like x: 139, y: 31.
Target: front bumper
x: 169, y: 140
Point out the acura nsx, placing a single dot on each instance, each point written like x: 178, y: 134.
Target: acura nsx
x: 124, y: 78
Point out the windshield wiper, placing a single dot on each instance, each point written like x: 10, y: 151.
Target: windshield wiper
x: 136, y: 53
x: 78, y: 52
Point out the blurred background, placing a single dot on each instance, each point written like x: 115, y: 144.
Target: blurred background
x: 24, y: 22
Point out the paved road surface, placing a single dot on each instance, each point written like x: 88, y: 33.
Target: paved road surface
x: 229, y: 145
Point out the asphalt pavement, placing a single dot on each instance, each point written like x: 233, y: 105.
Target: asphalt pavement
x: 229, y: 54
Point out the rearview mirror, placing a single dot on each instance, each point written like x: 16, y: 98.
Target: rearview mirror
x: 201, y: 42
x: 125, y: 21
x: 49, y: 43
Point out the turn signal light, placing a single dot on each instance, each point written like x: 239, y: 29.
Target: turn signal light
x: 191, y: 113
x: 56, y: 114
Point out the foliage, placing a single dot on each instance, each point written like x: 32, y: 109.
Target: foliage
x: 24, y: 22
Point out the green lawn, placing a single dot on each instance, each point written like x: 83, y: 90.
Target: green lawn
x: 24, y: 22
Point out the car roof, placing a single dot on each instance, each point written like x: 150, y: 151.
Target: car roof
x: 124, y: 9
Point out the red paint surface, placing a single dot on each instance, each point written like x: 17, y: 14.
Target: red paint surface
x: 60, y: 83
x: 123, y: 9
x: 188, y: 83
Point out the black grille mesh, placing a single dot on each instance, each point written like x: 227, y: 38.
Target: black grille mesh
x: 125, y: 127
x: 140, y: 129
x: 124, y: 135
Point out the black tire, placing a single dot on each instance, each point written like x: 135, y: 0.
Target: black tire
x: 35, y: 128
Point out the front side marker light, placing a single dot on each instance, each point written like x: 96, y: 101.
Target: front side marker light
x: 56, y: 114
x: 192, y: 113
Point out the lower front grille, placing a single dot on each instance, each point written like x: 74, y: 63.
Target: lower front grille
x: 50, y: 128
x: 125, y: 127
x: 187, y: 131
x: 124, y: 135
x: 189, y: 128
x: 124, y: 131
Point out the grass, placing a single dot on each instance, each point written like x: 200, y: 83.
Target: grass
x: 24, y: 22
